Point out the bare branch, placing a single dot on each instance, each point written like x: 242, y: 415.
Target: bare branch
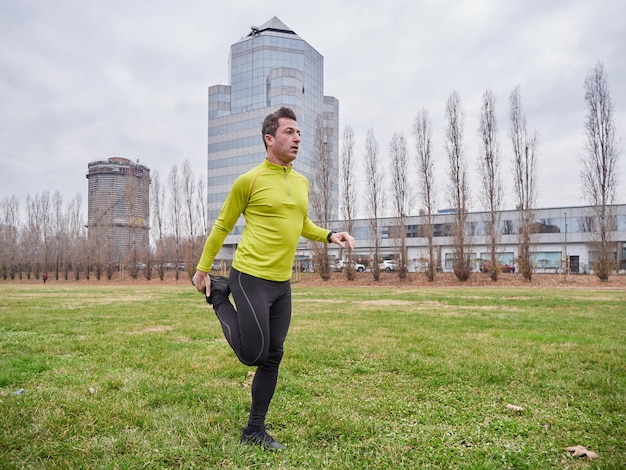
x: 525, y: 176
x: 375, y: 197
x: 422, y: 129
x: 459, y: 189
x: 599, y: 166
x: 175, y: 213
x: 491, y: 191
x: 401, y: 196
x: 348, y: 201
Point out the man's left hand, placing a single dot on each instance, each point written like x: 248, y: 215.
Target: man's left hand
x: 341, y: 238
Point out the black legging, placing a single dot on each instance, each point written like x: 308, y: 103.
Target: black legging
x: 256, y: 331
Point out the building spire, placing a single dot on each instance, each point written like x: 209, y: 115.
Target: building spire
x: 272, y: 25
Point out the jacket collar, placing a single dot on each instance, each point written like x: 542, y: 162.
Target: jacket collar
x: 274, y: 167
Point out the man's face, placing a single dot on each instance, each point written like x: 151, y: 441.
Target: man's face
x: 282, y: 149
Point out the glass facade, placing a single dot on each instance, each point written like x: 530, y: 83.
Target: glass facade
x: 269, y: 68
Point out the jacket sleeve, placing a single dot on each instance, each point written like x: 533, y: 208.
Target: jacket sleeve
x: 314, y: 232
x: 233, y: 207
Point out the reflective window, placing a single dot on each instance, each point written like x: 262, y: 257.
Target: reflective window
x: 266, y: 71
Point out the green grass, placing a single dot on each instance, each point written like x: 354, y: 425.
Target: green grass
x: 124, y: 377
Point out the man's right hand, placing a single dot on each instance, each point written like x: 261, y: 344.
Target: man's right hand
x: 202, y: 281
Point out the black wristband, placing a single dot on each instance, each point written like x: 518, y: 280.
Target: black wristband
x: 330, y: 234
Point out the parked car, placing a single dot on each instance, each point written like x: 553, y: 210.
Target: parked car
x: 485, y: 267
x: 180, y: 266
x: 356, y: 266
x: 388, y: 265
x: 340, y: 266
x: 508, y: 268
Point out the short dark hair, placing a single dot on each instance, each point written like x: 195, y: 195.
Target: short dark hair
x: 270, y: 123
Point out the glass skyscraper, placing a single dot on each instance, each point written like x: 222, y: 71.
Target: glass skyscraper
x: 270, y: 67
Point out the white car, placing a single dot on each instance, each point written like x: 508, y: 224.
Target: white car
x: 342, y: 264
x: 388, y: 265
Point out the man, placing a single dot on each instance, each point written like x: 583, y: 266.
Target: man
x: 274, y: 200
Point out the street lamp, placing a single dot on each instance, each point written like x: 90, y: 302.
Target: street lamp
x: 566, y: 257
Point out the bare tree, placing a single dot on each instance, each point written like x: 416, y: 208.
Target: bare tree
x: 59, y: 234
x: 525, y: 176
x: 348, y: 201
x: 175, y: 213
x: 401, y: 197
x: 459, y: 189
x: 157, y: 202
x: 75, y: 235
x: 422, y: 129
x: 190, y: 215
x: 44, y: 214
x: 491, y: 190
x: 31, y: 238
x: 599, y: 167
x: 9, y: 231
x: 201, y: 207
x: 321, y: 199
x: 36, y: 233
x: 375, y: 198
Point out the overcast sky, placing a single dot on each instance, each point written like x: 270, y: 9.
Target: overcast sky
x: 84, y: 80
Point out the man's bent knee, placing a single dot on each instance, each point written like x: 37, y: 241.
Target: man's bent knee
x: 252, y: 358
x: 271, y: 359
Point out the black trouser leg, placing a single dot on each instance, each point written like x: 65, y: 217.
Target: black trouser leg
x: 256, y: 331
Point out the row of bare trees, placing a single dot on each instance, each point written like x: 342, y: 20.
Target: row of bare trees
x: 404, y: 196
x: 179, y: 223
x: 47, y: 238
x: 52, y: 237
x: 598, y: 174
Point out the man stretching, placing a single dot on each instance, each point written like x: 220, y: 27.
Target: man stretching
x: 274, y: 201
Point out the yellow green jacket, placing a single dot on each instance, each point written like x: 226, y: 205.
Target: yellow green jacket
x: 274, y: 201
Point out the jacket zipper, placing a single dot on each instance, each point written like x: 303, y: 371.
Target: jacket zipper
x: 287, y: 184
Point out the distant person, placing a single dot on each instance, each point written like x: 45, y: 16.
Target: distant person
x: 274, y: 201
x: 45, y: 278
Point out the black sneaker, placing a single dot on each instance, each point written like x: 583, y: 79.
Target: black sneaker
x: 219, y: 287
x: 260, y: 438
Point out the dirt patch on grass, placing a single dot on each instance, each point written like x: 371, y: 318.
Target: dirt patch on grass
x: 387, y: 302
x: 315, y: 300
x: 483, y: 280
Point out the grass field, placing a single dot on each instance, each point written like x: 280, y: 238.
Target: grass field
x: 125, y: 377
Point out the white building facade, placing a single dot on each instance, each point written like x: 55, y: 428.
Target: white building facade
x: 563, y: 237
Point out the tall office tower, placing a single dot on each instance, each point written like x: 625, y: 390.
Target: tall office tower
x: 269, y: 68
x: 118, y: 211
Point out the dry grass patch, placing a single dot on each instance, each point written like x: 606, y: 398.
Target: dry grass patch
x: 153, y: 329
x: 316, y: 301
x: 389, y: 302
